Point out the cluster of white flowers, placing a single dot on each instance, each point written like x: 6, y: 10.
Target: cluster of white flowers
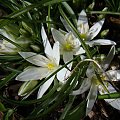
x: 67, y: 45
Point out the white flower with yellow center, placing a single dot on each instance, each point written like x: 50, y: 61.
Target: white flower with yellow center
x: 86, y: 33
x: 69, y: 45
x: 45, y: 65
x: 94, y: 84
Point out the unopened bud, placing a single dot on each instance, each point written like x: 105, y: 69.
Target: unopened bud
x: 104, y: 33
x: 35, y: 48
x: 27, y: 27
x: 27, y: 87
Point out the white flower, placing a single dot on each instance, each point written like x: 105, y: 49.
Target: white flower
x: 114, y: 75
x: 92, y: 83
x: 86, y: 33
x: 69, y: 45
x: 83, y: 27
x: 45, y: 65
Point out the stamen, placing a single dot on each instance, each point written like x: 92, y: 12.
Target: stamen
x: 51, y: 66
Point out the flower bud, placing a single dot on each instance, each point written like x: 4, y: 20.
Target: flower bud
x: 24, y: 32
x: 91, y: 6
x: 27, y: 87
x: 23, y: 41
x: 102, y: 15
x: 26, y: 27
x: 35, y: 48
x: 104, y: 33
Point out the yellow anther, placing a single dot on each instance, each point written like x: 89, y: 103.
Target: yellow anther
x: 50, y: 66
x: 68, y: 47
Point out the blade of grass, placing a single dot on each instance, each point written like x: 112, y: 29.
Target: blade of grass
x: 104, y: 12
x: 109, y: 96
x: 71, y: 12
x: 67, y: 107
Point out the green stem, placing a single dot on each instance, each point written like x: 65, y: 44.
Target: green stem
x: 109, y: 96
x: 49, y: 18
x: 104, y: 12
x: 67, y: 107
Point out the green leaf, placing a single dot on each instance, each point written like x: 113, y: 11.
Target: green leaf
x: 77, y: 113
x: 53, y: 2
x: 109, y: 96
x: 67, y: 107
x: 2, y: 107
x: 10, y: 58
x: 8, y: 114
x: 71, y: 12
x: 7, y: 79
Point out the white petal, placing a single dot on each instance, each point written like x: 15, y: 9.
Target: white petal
x: 95, y: 29
x: 108, y: 86
x: 118, y: 74
x: 58, y: 36
x: 106, y: 62
x: 34, y: 58
x: 90, y: 71
x: 7, y: 35
x: 63, y: 74
x: 66, y: 25
x: 68, y: 56
x: 84, y: 87
x: 8, y: 44
x: 101, y: 42
x: 32, y: 73
x: 7, y: 50
x: 112, y: 75
x: 76, y: 42
x: 80, y: 51
x: 91, y: 98
x: 43, y: 88
x: 113, y: 102
x: 56, y: 52
x: 46, y: 43
x: 82, y: 24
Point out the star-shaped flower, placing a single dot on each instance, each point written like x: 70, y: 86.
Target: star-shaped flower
x: 69, y: 45
x: 95, y: 85
x: 44, y: 66
x: 86, y: 33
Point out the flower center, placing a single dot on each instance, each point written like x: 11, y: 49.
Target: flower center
x: 69, y: 45
x: 51, y: 66
x: 96, y: 81
x: 83, y: 36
